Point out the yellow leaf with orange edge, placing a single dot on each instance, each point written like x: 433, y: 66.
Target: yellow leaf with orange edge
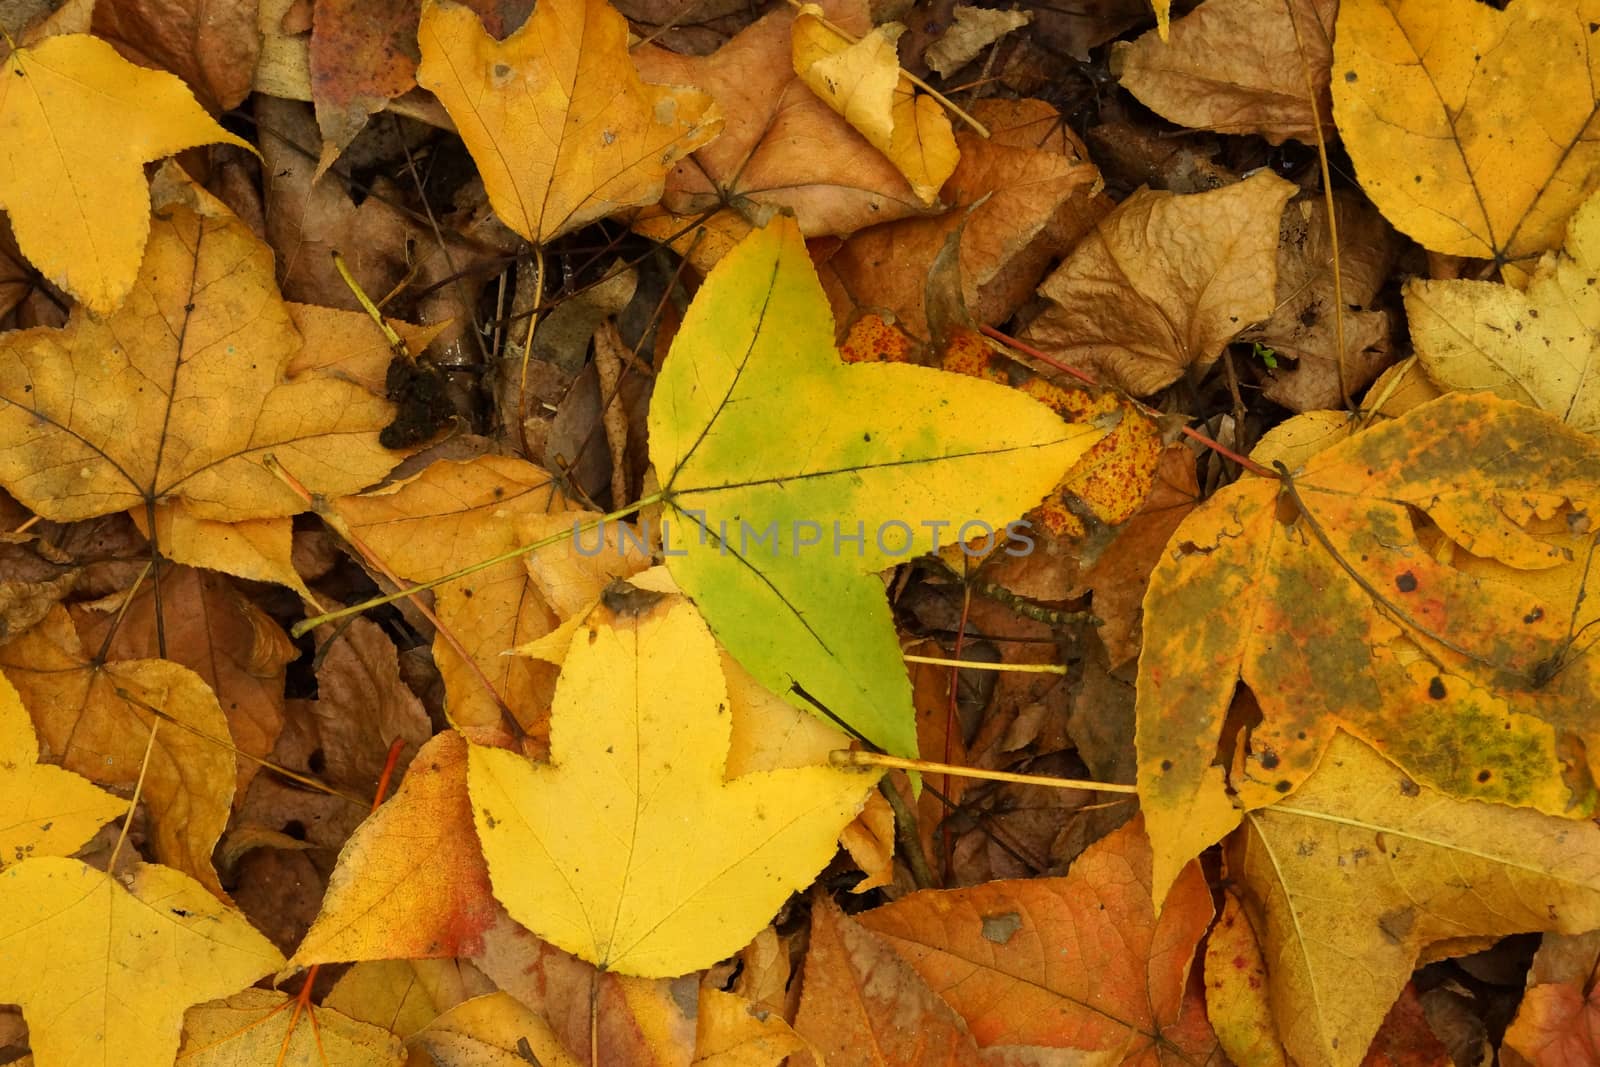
x: 77, y: 125
x: 862, y: 81
x: 605, y: 851
x: 1343, y: 608
x: 104, y: 969
x: 44, y: 810
x: 563, y: 129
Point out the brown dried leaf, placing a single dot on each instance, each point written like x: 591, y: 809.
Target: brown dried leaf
x: 211, y: 44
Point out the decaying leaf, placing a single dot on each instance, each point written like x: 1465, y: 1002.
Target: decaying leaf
x: 1558, y: 1021
x: 604, y: 852
x: 47, y: 811
x: 1540, y: 346
x: 1023, y: 961
x: 1164, y: 282
x: 104, y: 971
x: 1363, y: 868
x: 862, y: 81
x: 212, y: 47
x: 1237, y: 1000
x: 1345, y: 608
x: 562, y: 128
x: 77, y: 125
x: 885, y: 454
x: 1238, y: 66
x: 1476, y: 131
x: 182, y: 392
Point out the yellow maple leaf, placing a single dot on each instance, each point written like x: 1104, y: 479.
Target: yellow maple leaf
x: 183, y: 391
x: 563, y: 129
x: 862, y: 81
x: 44, y: 810
x: 104, y: 971
x: 631, y: 850
x: 263, y: 1026
x: 1363, y: 868
x: 77, y: 125
x: 1474, y: 130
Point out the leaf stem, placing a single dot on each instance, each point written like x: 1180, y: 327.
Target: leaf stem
x: 845, y: 757
x: 305, y: 625
x: 982, y: 665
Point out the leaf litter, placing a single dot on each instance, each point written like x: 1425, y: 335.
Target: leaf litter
x: 1353, y: 689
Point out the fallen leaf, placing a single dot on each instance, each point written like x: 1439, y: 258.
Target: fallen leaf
x: 1081, y: 962
x: 363, y: 707
x: 862, y: 81
x: 730, y: 1031
x: 494, y: 1030
x: 648, y: 1022
x: 1237, y: 67
x: 1303, y: 326
x: 104, y: 972
x: 1472, y: 129
x: 206, y: 624
x: 1558, y: 1021
x: 259, y: 550
x: 362, y: 55
x: 1540, y: 346
x: 1236, y: 991
x: 266, y: 1026
x: 1017, y: 205
x: 48, y: 811
x: 1164, y: 282
x: 660, y: 898
x: 861, y: 1005
x: 1363, y: 868
x: 181, y: 393
x: 404, y: 996
x: 616, y: 137
x: 1338, y: 614
x: 781, y: 148
x: 974, y: 29
x: 77, y: 125
x: 211, y: 46
x: 93, y: 716
x: 411, y: 882
x: 449, y: 516
x: 890, y: 451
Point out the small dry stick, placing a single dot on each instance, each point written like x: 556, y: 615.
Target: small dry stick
x: 982, y: 665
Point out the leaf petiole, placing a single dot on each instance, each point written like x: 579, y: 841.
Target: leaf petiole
x: 304, y: 626
x: 845, y: 757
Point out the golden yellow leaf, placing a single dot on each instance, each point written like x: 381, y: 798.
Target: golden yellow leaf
x: 1363, y: 868
x: 181, y: 393
x: 44, y: 810
x: 1236, y: 991
x: 77, y: 125
x: 405, y: 995
x: 104, y: 970
x: 731, y: 1031
x: 92, y: 715
x: 561, y: 126
x: 1540, y: 346
x: 1164, y: 282
x: 263, y: 1026
x: 1350, y: 603
x: 494, y: 1030
x: 1475, y: 131
x: 862, y: 81
x: 631, y: 850
x: 257, y: 549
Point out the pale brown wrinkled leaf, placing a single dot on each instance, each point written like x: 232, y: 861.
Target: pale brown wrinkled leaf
x: 1238, y: 66
x: 1164, y: 282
